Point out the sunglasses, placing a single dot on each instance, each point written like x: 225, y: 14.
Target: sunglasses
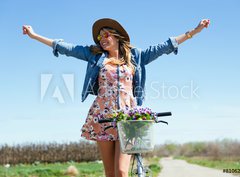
x: 104, y: 34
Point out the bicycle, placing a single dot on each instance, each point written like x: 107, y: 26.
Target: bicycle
x: 135, y: 138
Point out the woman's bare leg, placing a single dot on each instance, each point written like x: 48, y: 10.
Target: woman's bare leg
x: 122, y: 162
x: 107, y: 151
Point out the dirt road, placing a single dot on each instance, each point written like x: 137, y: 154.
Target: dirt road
x: 180, y: 168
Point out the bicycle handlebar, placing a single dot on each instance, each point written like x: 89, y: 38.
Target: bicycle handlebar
x: 105, y: 120
x: 160, y: 114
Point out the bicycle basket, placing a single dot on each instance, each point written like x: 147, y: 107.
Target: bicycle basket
x: 136, y: 136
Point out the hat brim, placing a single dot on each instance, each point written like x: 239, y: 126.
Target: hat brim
x: 110, y: 23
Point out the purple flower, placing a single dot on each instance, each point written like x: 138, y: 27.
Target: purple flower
x: 137, y: 113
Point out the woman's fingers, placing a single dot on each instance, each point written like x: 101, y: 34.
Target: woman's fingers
x: 205, y: 22
x: 27, y: 29
x: 24, y: 30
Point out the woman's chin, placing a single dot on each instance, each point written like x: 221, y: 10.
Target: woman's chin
x: 106, y: 48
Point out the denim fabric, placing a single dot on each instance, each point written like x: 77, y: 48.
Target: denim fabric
x: 140, y: 58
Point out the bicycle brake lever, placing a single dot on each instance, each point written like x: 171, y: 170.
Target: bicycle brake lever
x: 158, y: 121
x: 108, y: 127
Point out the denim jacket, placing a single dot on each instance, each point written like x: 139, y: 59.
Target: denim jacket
x: 140, y: 58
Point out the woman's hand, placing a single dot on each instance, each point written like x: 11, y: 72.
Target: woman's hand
x: 183, y: 37
x: 27, y: 29
x: 202, y: 24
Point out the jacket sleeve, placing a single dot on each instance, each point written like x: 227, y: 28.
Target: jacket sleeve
x: 153, y: 52
x: 78, y: 51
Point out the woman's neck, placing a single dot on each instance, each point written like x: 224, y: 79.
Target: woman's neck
x: 113, y: 54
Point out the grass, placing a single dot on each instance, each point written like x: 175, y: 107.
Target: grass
x: 153, y: 164
x: 218, y: 164
x: 90, y: 169
x: 86, y: 169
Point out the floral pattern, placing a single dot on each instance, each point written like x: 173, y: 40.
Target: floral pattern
x: 115, y: 92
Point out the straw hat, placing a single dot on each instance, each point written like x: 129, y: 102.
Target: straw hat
x: 110, y: 23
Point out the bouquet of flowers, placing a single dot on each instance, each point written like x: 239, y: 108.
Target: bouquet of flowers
x: 135, y: 130
x: 138, y: 113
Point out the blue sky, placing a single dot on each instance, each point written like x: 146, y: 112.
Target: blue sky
x: 206, y: 69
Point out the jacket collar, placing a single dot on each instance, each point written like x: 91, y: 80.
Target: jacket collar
x: 101, y: 60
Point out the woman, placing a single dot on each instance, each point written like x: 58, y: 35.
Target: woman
x: 116, y: 74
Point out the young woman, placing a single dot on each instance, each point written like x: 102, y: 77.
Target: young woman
x: 116, y: 74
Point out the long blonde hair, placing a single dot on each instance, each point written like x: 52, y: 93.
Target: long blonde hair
x: 124, y: 49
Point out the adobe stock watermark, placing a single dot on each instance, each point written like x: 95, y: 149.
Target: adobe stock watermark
x: 62, y: 88
x: 57, y: 87
x: 165, y: 90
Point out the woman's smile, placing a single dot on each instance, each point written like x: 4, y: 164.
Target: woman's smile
x: 104, y: 44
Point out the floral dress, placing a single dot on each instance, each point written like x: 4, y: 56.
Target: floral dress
x: 115, y: 92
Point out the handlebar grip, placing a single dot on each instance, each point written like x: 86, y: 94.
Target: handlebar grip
x: 161, y: 114
x: 105, y: 120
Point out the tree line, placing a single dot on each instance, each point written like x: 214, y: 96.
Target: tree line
x: 84, y: 151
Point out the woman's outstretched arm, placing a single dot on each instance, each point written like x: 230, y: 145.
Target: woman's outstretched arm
x: 30, y: 32
x: 183, y: 37
x: 59, y: 46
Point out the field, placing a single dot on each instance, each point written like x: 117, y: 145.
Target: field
x: 85, y: 169
x: 53, y: 160
x: 90, y: 169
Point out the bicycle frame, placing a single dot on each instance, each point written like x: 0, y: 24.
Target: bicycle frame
x: 140, y: 168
